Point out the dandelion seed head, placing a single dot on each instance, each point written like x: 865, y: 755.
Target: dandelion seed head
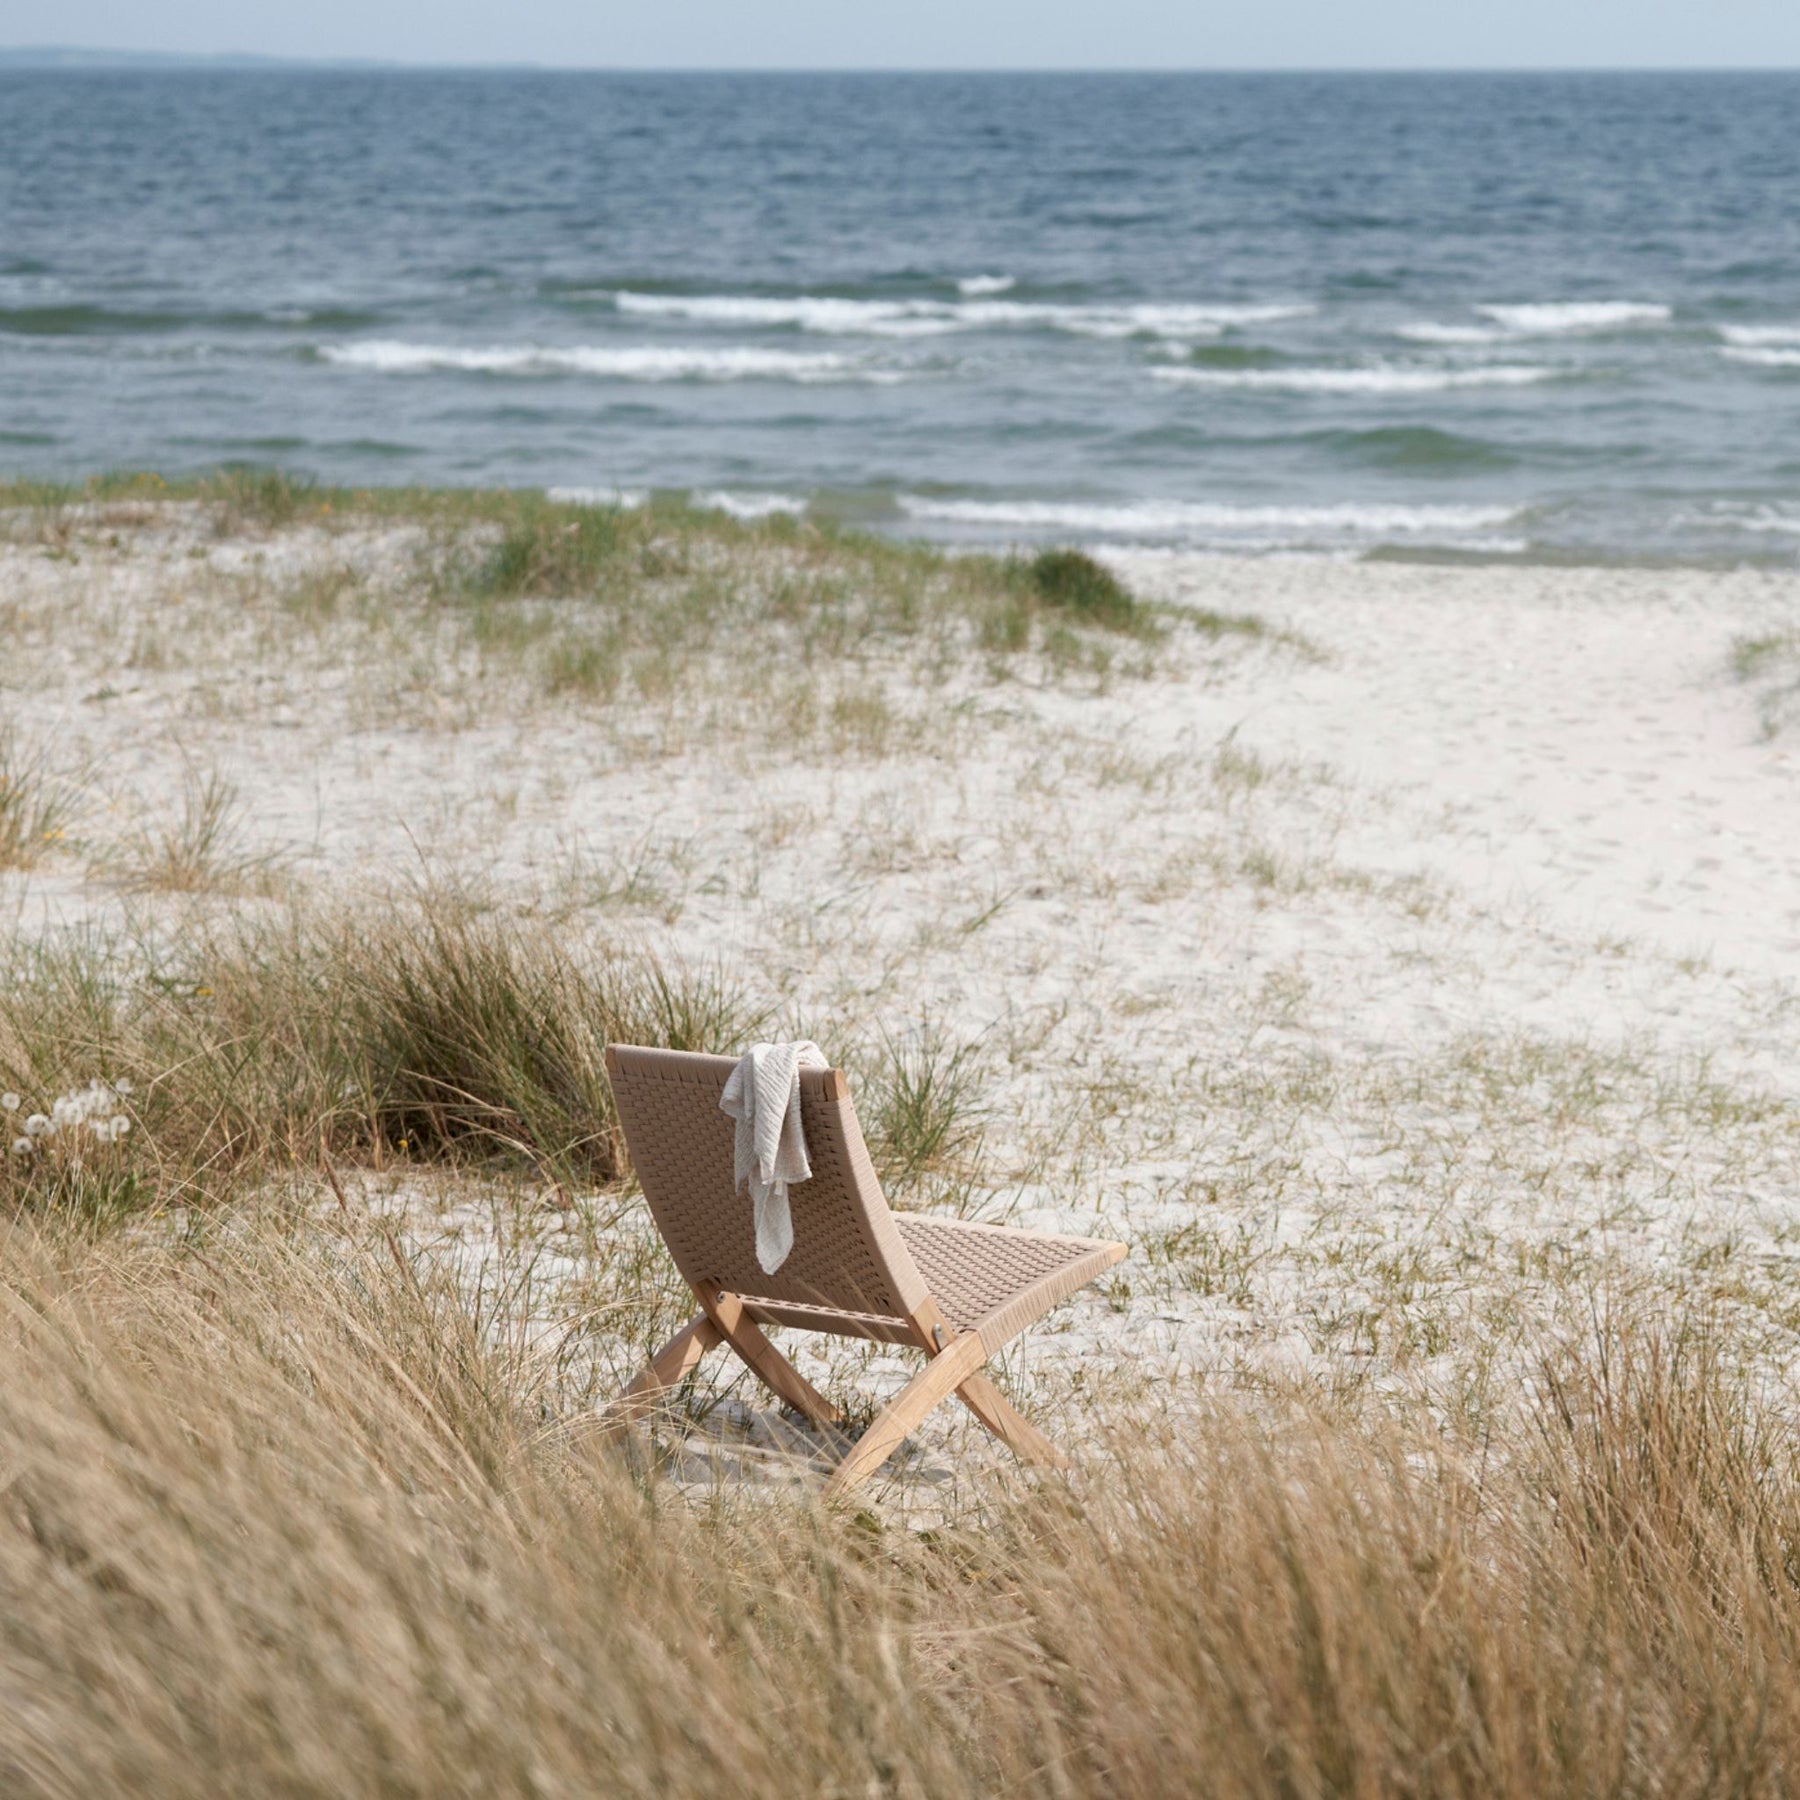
x: 118, y: 1126
x: 23, y: 1146
x: 10, y: 1102
x: 39, y: 1126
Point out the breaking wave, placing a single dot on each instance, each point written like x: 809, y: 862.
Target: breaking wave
x: 748, y: 506
x: 1212, y: 522
x: 1559, y: 317
x: 834, y: 316
x: 1768, y: 359
x: 1359, y: 381
x: 625, y: 499
x: 636, y: 363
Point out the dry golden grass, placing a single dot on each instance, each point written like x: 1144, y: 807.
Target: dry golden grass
x: 283, y: 1521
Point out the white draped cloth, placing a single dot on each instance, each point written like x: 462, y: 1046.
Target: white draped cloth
x: 763, y: 1096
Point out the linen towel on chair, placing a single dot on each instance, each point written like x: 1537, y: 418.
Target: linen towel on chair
x: 763, y: 1095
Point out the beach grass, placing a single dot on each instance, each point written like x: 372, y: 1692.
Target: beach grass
x: 432, y: 1026
x: 663, y: 568
x: 1769, y: 663
x: 1073, y: 582
x: 1432, y: 1438
x: 267, y: 1043
x: 922, y: 1105
x: 37, y: 801
x: 197, y: 849
x: 289, y: 1518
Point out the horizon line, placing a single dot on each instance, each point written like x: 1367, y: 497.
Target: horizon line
x: 54, y: 58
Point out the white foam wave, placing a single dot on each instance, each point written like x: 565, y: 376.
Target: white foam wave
x: 1555, y: 318
x: 837, y: 317
x: 642, y: 363
x: 985, y: 284
x: 1760, y: 334
x: 1147, y: 319
x: 1426, y: 331
x: 1359, y: 381
x: 1178, y: 518
x: 1767, y: 359
x: 739, y: 505
x: 748, y: 506
x: 819, y: 313
x: 625, y: 499
x: 1743, y: 515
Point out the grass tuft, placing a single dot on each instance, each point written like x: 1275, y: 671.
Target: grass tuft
x: 1072, y: 582
x: 429, y: 1029
x: 36, y: 804
x: 198, y: 851
x: 1770, y: 662
x: 555, y: 552
x: 924, y: 1107
x: 254, y: 499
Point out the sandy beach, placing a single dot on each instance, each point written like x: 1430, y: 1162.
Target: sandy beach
x: 1392, y: 971
x: 1402, y: 960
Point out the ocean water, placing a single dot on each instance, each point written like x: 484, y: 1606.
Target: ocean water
x: 1504, y: 316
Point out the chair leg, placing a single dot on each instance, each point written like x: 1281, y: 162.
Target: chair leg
x: 947, y: 1370
x: 1008, y: 1424
x: 666, y: 1368
x: 930, y: 1329
x: 745, y: 1336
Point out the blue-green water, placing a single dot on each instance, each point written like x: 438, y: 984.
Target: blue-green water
x: 1536, y: 315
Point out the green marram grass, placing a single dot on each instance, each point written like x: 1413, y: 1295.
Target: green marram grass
x: 408, y: 1031
x: 1769, y: 662
x: 665, y: 573
x: 430, y: 1028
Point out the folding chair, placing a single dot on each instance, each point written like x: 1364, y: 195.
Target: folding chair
x: 956, y: 1291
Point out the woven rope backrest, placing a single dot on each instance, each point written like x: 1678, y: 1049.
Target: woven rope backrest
x: 847, y: 1251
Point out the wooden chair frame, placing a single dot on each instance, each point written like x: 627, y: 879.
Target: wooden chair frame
x: 956, y: 1355
x: 956, y: 1364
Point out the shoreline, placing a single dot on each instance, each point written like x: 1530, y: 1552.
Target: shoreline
x: 904, y: 519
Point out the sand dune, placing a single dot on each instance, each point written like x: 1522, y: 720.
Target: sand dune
x: 1357, y: 972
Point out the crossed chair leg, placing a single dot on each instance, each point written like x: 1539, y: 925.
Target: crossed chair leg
x: 956, y: 1363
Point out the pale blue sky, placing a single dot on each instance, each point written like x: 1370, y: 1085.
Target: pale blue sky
x: 1091, y: 34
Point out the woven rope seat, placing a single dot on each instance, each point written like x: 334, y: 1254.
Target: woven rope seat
x: 954, y: 1290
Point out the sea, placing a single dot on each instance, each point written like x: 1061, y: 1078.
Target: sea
x: 1509, y: 317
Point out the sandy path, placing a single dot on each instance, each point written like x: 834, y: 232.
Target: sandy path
x: 1572, y: 735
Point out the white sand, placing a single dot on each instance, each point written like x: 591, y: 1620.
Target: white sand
x: 1571, y: 732
x: 1377, y: 999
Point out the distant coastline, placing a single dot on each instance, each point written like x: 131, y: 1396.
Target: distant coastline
x: 59, y: 56
x: 77, y: 59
